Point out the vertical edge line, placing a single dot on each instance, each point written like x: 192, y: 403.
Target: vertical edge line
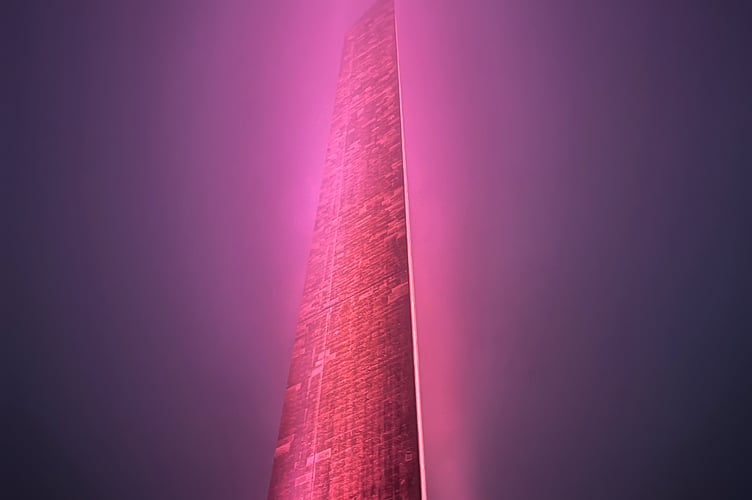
x: 413, y: 320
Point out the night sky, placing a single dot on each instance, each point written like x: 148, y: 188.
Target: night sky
x: 580, y: 177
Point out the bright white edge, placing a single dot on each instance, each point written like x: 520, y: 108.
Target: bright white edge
x: 410, y: 278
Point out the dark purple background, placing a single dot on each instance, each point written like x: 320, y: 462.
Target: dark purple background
x: 580, y: 178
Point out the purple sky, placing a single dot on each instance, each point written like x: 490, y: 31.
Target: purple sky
x: 579, y: 179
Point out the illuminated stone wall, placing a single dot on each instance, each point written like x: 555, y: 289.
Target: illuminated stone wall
x: 349, y: 424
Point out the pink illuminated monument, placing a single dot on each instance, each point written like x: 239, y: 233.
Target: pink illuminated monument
x: 351, y: 423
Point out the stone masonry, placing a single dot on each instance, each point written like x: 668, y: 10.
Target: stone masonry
x: 349, y: 426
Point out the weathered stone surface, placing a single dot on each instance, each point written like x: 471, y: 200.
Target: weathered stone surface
x: 349, y: 424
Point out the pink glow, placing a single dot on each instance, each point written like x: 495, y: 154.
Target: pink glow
x: 578, y: 217
x: 350, y: 423
x: 444, y: 432
x: 413, y: 317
